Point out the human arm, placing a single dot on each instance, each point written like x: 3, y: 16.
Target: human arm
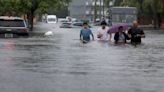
x: 81, y: 35
x: 142, y: 34
x: 129, y: 34
x: 99, y: 35
x: 92, y: 35
x: 116, y: 36
x: 110, y: 37
x: 126, y: 36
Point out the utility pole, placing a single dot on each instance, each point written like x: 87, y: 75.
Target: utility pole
x: 95, y: 10
x: 155, y: 13
x: 100, y: 9
x: 103, y: 8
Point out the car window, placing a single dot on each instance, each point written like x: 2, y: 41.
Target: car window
x: 66, y: 23
x: 12, y: 23
x: 78, y: 24
x: 51, y: 19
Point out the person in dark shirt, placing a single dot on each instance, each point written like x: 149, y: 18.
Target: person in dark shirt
x: 85, y: 33
x: 135, y: 34
x: 120, y: 37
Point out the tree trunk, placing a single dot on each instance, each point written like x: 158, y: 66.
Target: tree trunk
x: 31, y: 21
x: 95, y: 11
x: 28, y: 19
x: 159, y: 19
x: 155, y: 21
x: 30, y: 16
x: 155, y: 14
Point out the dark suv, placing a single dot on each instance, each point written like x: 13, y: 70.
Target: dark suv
x: 13, y: 27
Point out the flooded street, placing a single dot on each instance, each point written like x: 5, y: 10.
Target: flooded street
x: 60, y: 63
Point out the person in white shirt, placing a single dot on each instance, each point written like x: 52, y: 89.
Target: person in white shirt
x: 103, y: 34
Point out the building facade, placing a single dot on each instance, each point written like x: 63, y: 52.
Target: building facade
x: 87, y: 9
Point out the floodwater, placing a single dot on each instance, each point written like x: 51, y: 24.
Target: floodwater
x: 60, y: 63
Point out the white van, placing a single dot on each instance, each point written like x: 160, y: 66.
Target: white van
x: 51, y: 19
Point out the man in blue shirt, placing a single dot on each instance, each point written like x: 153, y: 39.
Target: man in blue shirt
x: 85, y: 33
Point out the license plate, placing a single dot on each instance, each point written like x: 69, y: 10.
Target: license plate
x: 9, y: 35
x: 8, y: 29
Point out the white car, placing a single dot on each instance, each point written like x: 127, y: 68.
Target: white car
x: 66, y: 25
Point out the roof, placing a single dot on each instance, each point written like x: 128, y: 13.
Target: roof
x: 51, y: 16
x: 10, y: 18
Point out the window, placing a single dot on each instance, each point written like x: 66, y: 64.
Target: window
x: 87, y: 12
x: 87, y: 3
x: 11, y: 23
x: 51, y: 19
x: 123, y: 18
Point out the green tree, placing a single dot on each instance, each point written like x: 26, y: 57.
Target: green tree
x: 7, y: 5
x: 157, y: 11
x: 29, y: 7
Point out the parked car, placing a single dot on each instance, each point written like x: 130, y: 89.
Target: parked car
x: 13, y: 27
x: 62, y: 20
x: 97, y: 23
x: 79, y: 24
x: 66, y: 25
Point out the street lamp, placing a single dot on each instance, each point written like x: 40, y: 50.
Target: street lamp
x: 100, y: 7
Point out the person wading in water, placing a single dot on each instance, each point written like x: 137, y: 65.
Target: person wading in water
x: 135, y: 34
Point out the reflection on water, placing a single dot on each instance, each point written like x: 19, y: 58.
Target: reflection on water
x: 71, y: 64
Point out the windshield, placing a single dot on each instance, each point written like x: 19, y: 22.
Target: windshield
x: 51, y: 19
x: 66, y: 23
x: 12, y: 23
x: 78, y: 24
x: 123, y: 18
